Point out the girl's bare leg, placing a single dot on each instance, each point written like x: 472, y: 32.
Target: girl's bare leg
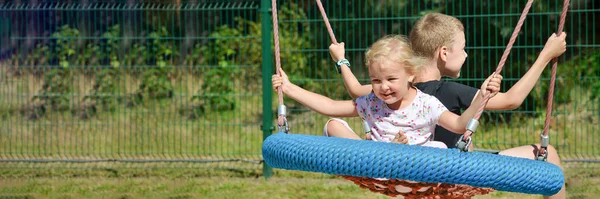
x: 530, y: 152
x: 336, y: 128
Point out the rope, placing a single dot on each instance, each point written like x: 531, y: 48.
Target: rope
x: 561, y: 24
x: 544, y: 139
x: 280, y: 118
x: 486, y: 97
x: 331, y: 35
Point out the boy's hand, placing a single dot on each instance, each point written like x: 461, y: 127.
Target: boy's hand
x: 280, y: 81
x: 337, y: 51
x: 556, y: 45
x: 491, y: 85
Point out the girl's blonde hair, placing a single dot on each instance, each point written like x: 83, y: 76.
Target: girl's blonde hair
x: 394, y: 48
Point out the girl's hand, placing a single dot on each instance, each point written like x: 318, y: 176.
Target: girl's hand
x: 280, y: 81
x: 491, y: 85
x: 337, y: 51
x: 368, y: 136
x: 400, y: 138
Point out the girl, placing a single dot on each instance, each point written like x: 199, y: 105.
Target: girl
x: 395, y: 105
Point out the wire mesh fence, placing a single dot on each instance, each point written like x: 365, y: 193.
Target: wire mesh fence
x: 181, y: 83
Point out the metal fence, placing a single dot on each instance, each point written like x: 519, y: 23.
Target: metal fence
x: 184, y: 83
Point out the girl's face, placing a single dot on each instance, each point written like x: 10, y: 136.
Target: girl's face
x: 390, y: 81
x: 456, y: 56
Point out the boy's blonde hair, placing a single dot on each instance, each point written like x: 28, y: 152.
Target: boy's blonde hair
x: 394, y: 48
x: 433, y: 31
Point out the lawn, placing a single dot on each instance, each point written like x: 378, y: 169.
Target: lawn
x: 189, y: 183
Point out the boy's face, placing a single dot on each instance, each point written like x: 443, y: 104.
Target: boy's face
x: 455, y: 56
x: 390, y: 81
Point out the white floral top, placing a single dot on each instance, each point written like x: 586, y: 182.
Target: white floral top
x: 417, y: 121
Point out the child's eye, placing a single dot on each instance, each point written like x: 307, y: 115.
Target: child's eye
x: 392, y: 79
x: 374, y: 81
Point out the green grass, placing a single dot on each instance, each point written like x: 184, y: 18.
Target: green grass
x: 169, y: 183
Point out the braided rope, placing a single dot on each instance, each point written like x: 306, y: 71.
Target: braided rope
x: 362, y: 158
x: 326, y: 20
x: 280, y: 118
x: 561, y: 24
x: 486, y: 96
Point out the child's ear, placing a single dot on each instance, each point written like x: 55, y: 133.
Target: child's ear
x: 443, y: 53
x: 411, y: 78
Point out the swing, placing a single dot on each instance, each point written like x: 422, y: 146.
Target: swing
x: 389, y: 168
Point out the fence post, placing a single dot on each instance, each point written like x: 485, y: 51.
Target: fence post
x: 267, y: 70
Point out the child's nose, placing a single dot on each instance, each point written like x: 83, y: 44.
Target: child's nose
x: 385, y: 86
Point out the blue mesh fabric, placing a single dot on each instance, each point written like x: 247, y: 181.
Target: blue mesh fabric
x: 338, y: 156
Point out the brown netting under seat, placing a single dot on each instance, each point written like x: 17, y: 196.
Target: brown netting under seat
x: 409, y: 189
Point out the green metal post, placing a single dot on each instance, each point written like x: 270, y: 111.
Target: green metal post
x: 267, y: 70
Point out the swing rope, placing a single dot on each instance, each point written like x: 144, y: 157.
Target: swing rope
x: 329, y: 29
x: 281, y: 110
x: 544, y: 139
x: 466, y: 138
x: 542, y: 155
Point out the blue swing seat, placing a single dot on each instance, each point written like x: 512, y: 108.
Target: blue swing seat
x: 362, y: 158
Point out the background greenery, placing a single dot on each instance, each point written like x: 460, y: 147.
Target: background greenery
x: 91, y: 88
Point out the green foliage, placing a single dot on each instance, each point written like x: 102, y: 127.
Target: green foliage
x: 297, y: 36
x: 112, y: 45
x: 234, y: 48
x: 155, y: 82
x: 102, y: 95
x: 65, y: 45
x: 571, y: 74
x: 40, y: 56
x: 218, y: 80
x: 136, y: 58
x: 56, y: 88
x: 14, y: 66
x: 58, y: 82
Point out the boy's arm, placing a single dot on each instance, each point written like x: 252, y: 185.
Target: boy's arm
x: 355, y: 89
x: 319, y: 103
x: 514, y: 97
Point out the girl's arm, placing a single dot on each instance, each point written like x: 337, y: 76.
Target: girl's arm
x: 458, y: 124
x: 355, y: 89
x: 319, y: 103
x: 514, y: 97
